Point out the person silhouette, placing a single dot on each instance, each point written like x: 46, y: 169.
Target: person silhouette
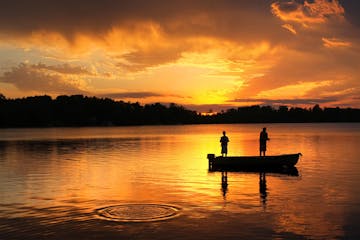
x: 224, y: 143
x: 263, y: 139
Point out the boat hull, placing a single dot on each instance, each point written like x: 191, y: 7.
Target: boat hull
x: 253, y: 162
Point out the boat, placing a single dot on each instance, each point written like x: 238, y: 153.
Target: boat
x: 253, y: 162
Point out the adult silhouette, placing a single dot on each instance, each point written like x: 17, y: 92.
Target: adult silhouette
x: 263, y: 139
x: 224, y: 143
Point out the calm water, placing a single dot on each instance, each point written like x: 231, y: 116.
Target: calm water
x: 53, y: 180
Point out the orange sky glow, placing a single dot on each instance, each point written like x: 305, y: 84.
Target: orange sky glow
x: 200, y: 54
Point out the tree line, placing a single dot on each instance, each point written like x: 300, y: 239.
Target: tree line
x: 79, y: 110
x: 284, y: 114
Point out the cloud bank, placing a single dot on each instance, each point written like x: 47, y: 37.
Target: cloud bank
x: 213, y: 51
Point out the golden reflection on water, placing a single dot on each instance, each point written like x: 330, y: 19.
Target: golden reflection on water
x: 89, y: 168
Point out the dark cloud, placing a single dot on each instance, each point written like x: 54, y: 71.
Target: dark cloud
x: 300, y: 101
x: 288, y: 6
x: 209, y: 108
x: 235, y: 103
x: 29, y: 78
x: 352, y: 9
x: 137, y: 95
x: 131, y: 95
x: 227, y: 18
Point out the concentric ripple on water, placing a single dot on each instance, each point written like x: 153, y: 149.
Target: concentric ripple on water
x: 138, y: 212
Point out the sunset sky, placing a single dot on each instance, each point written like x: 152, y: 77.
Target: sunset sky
x: 201, y: 53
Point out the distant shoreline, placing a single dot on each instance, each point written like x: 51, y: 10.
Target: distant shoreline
x: 82, y: 111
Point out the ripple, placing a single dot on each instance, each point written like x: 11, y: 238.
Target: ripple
x: 138, y: 212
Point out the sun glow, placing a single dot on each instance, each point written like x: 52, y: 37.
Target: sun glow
x: 292, y: 91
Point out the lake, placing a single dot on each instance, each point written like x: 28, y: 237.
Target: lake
x: 152, y: 182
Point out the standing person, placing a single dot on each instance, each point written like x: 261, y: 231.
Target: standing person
x: 224, y: 142
x: 263, y: 139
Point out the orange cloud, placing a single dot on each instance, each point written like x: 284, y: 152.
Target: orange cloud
x: 63, y: 69
x: 334, y: 43
x: 308, y: 13
x: 42, y: 79
x: 290, y: 28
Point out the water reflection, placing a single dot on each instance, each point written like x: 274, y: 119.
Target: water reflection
x: 224, y: 184
x: 53, y: 179
x: 290, y: 171
x: 262, y: 188
x: 263, y: 191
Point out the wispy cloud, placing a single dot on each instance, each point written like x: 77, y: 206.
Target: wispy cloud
x: 209, y: 108
x: 290, y: 28
x: 300, y: 101
x: 137, y: 95
x: 334, y: 42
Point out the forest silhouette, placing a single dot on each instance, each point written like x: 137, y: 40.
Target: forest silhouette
x: 79, y: 110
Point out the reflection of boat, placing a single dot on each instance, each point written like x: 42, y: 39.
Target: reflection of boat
x: 255, y: 163
x: 290, y: 171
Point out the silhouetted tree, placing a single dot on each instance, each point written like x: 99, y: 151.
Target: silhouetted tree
x: 79, y: 110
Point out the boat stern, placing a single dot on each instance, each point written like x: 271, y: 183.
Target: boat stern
x: 211, y: 158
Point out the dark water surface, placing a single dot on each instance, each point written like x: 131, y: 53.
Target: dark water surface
x: 71, y: 183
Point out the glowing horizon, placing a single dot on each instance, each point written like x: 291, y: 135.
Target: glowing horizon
x: 207, y: 54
